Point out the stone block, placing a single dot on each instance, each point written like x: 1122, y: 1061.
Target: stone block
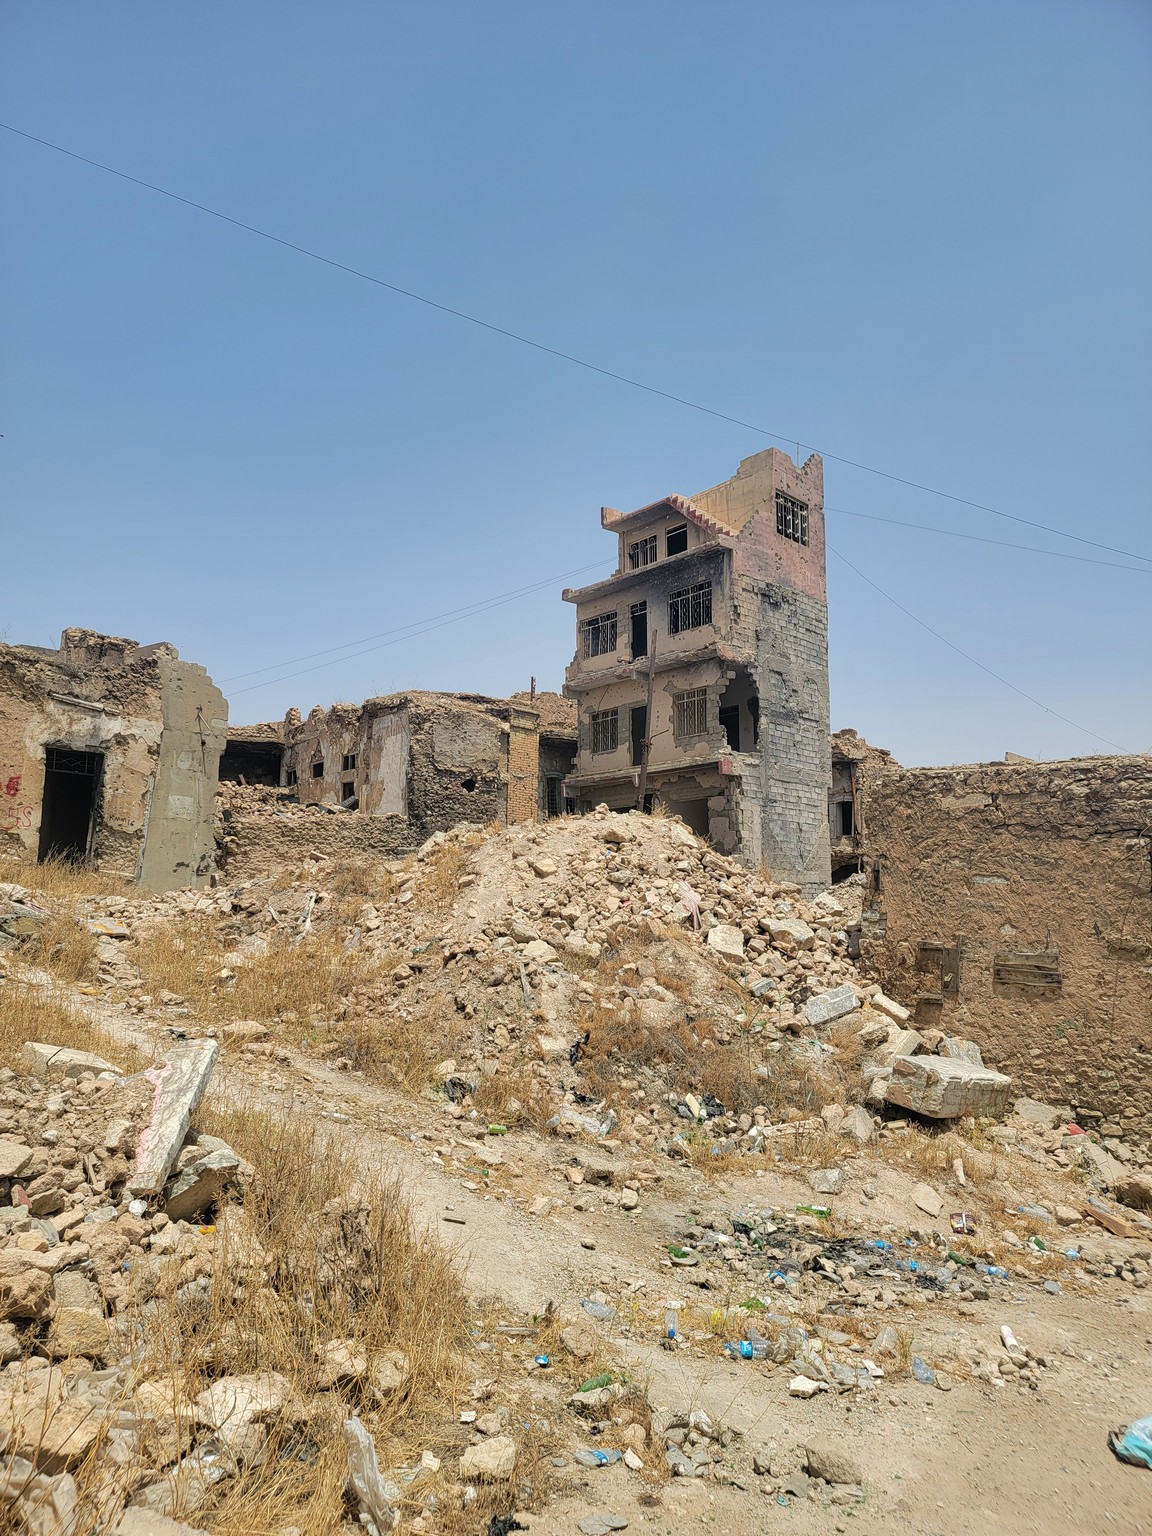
x: 78, y: 1331
x: 178, y: 1086
x: 890, y: 1008
x: 900, y: 1042
x: 1045, y: 1117
x: 956, y: 1049
x: 14, y: 1158
x: 789, y: 932
x: 200, y: 1184
x: 945, y: 1089
x: 61, y: 1061
x: 857, y: 1123
x: 826, y: 1181
x: 726, y: 940
x: 826, y: 1007
x: 491, y: 1461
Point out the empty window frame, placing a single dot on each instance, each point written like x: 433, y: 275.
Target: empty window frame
x: 349, y: 762
x: 290, y: 777
x: 605, y: 730
x: 638, y: 616
x: 318, y: 769
x: 690, y: 607
x: 642, y: 553
x: 598, y: 635
x: 553, y: 795
x: 691, y: 712
x: 846, y: 823
x: 347, y: 791
x: 676, y: 539
x: 791, y: 518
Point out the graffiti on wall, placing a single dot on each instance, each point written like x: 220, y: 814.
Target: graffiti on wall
x: 16, y: 814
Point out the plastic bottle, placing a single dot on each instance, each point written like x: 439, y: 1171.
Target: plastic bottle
x: 671, y: 1322
x: 597, y: 1458
x: 996, y: 1271
x: 1011, y: 1343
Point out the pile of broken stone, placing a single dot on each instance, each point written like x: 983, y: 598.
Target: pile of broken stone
x: 101, y: 1187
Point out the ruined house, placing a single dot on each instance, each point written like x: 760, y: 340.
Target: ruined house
x: 718, y: 613
x: 253, y: 754
x: 855, y: 765
x: 108, y: 755
x: 1011, y: 903
x: 379, y: 778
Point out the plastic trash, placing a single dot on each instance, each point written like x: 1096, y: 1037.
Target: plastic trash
x: 923, y: 1373
x: 597, y: 1458
x: 594, y: 1383
x: 1133, y: 1443
x: 599, y: 1311
x: 1011, y: 1343
x: 137, y: 1208
x: 815, y: 1210
x: 963, y: 1223
x: 376, y: 1513
x: 543, y: 1362
x: 748, y: 1349
x: 995, y: 1271
x: 671, y: 1322
x: 1071, y: 1253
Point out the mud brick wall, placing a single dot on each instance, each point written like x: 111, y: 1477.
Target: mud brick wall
x: 1012, y: 903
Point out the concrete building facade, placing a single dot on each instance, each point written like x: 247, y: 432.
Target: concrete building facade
x: 718, y: 609
x: 1011, y: 903
x: 109, y: 752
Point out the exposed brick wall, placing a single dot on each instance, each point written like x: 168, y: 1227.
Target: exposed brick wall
x: 523, y: 766
x: 1034, y: 870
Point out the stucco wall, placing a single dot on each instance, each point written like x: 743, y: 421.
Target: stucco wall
x: 1049, y: 864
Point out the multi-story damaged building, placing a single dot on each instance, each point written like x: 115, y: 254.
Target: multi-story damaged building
x: 717, y: 614
x: 108, y: 755
x: 1011, y: 903
x: 855, y: 765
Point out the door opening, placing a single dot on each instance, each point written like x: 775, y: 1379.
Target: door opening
x: 730, y: 724
x: 67, y: 813
x: 639, y: 731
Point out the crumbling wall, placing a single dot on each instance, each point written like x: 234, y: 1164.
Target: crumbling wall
x: 1012, y: 904
x: 157, y: 725
x: 855, y: 765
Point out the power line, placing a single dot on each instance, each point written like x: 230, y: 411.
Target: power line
x: 568, y: 357
x: 953, y: 647
x: 975, y: 538
x: 414, y: 633
x: 452, y: 613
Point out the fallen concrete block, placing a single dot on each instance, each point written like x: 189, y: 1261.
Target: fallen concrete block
x: 200, y: 1184
x: 960, y: 1050
x: 858, y: 1123
x: 61, y: 1061
x: 927, y: 1199
x: 886, y: 1005
x: 1134, y: 1189
x: 900, y: 1042
x: 727, y: 940
x: 1045, y: 1117
x: 789, y: 932
x: 944, y: 1089
x: 178, y: 1086
x: 826, y: 1007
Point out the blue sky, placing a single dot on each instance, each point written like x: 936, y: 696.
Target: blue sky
x: 917, y: 236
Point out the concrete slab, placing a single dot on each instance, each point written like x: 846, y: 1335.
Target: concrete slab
x: 178, y: 1086
x: 945, y: 1089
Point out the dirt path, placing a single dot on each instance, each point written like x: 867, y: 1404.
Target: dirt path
x: 975, y: 1461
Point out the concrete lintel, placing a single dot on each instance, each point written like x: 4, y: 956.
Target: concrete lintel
x: 178, y: 1086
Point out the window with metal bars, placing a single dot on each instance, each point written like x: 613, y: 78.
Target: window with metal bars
x: 598, y: 635
x: 605, y: 730
x: 690, y: 607
x: 691, y: 710
x: 642, y: 553
x: 791, y: 518
x: 64, y: 760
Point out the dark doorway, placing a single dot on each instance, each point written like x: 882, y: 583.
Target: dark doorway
x: 639, y: 615
x: 71, y: 783
x: 730, y: 725
x: 639, y: 731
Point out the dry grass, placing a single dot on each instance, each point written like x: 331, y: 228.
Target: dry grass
x: 63, y: 946
x: 61, y: 879
x: 322, y: 1249
x: 29, y: 1012
x: 518, y: 1099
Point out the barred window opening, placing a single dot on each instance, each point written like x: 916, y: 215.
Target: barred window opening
x: 598, y: 635
x: 605, y: 730
x: 690, y: 607
x: 691, y: 712
x: 642, y: 553
x: 791, y: 518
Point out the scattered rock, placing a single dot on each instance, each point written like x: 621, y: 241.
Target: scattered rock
x: 490, y: 1461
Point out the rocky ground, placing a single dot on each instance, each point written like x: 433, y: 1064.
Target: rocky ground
x: 712, y: 1266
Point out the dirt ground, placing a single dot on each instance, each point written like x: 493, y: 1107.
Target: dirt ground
x: 972, y: 1461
